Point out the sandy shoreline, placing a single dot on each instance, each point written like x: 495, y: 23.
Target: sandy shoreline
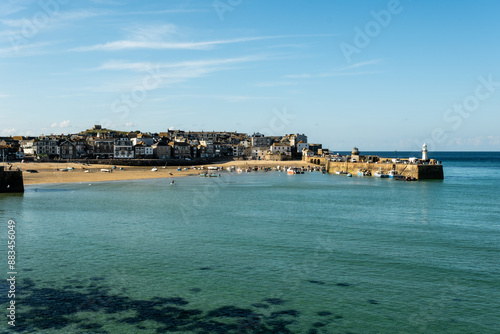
x: 50, y: 172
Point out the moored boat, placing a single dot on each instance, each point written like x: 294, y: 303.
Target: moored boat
x: 381, y: 174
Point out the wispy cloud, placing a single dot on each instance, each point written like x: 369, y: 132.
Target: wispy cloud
x: 167, y: 74
x: 360, y: 64
x: 275, y: 84
x: 29, y: 49
x: 226, y: 98
x: 10, y: 7
x: 161, y: 45
x: 152, y: 32
x: 60, y: 16
x: 147, y: 66
x: 3, y: 96
x: 340, y: 72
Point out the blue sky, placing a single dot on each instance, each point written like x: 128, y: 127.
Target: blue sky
x: 379, y: 75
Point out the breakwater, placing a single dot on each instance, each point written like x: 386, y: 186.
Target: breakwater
x: 417, y: 171
x: 11, y: 181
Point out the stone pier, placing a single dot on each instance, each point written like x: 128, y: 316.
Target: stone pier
x: 417, y: 171
x: 11, y: 181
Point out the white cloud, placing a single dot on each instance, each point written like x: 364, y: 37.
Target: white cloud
x: 3, y: 95
x: 340, y: 72
x: 63, y: 124
x: 148, y: 66
x: 9, y: 132
x: 129, y: 124
x: 161, y: 45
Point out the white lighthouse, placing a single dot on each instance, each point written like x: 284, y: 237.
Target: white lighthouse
x: 424, y: 152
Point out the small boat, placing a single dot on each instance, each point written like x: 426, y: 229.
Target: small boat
x: 154, y: 169
x: 202, y: 175
x: 361, y: 173
x: 172, y: 183
x: 239, y: 170
x: 214, y: 175
x: 87, y: 171
x: 106, y: 170
x: 349, y: 175
x: 399, y: 178
x: 392, y: 173
x: 381, y: 174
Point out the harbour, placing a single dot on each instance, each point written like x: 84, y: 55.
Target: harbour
x: 259, y: 251
x: 370, y: 165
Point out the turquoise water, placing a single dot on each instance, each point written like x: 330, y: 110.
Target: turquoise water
x: 261, y: 253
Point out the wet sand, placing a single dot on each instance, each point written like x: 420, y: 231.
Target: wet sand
x: 51, y: 172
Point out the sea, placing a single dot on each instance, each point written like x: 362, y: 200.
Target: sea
x: 259, y: 252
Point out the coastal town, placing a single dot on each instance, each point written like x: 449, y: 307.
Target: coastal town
x: 99, y: 143
x: 33, y: 160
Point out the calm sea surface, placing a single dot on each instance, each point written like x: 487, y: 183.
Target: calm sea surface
x: 260, y: 253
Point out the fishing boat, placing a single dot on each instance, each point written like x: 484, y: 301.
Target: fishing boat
x: 290, y: 171
x: 392, y: 173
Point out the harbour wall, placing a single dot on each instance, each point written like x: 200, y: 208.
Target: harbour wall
x: 417, y: 171
x: 11, y: 181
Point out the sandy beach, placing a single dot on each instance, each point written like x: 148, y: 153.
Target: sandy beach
x: 51, y: 172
